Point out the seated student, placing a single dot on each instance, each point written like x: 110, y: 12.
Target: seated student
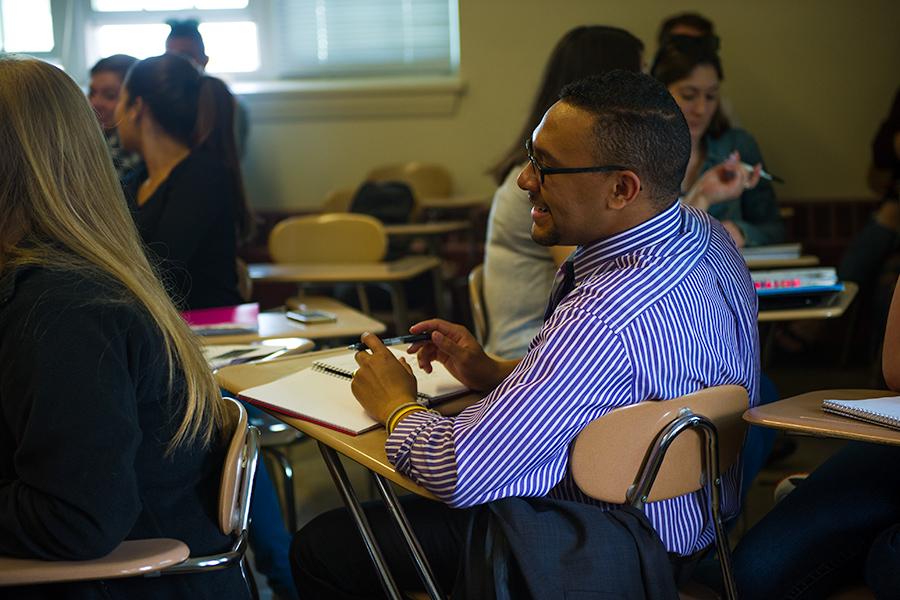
x: 514, y: 265
x: 111, y: 425
x: 103, y: 92
x: 606, y: 165
x: 715, y: 180
x: 188, y: 202
x: 840, y: 524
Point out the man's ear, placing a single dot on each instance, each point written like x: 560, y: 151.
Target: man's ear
x: 626, y: 187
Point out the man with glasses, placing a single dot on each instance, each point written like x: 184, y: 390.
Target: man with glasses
x: 655, y: 303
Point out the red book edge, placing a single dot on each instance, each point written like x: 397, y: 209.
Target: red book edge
x: 245, y: 315
x: 283, y: 411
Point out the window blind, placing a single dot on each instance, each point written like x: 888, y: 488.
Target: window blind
x: 365, y: 37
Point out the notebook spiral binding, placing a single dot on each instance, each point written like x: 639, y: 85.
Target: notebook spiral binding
x: 867, y: 415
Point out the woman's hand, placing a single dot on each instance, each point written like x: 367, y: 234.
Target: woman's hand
x: 453, y: 346
x: 725, y: 181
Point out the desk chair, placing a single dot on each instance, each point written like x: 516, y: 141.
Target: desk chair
x: 477, y: 304
x: 333, y: 238
x: 662, y: 450
x: 427, y: 180
x: 163, y: 556
x: 338, y: 201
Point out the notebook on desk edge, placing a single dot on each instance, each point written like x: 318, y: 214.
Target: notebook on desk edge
x: 878, y: 411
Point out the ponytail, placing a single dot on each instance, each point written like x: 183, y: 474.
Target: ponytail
x: 214, y: 132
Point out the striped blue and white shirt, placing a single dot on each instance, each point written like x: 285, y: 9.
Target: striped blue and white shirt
x: 659, y: 311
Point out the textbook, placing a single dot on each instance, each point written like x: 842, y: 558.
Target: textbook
x: 321, y: 394
x: 224, y: 320
x: 771, y: 251
x: 814, y: 280
x: 878, y: 411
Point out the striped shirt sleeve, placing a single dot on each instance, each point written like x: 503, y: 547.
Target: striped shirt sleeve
x: 515, y: 441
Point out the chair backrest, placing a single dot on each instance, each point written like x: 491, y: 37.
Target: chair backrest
x: 609, y: 453
x: 391, y: 202
x: 338, y: 201
x: 237, y: 473
x: 427, y: 180
x: 476, y: 302
x: 328, y: 238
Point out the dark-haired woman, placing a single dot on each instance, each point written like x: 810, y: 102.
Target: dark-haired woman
x: 716, y: 180
x: 515, y: 266
x: 188, y: 202
x: 191, y: 211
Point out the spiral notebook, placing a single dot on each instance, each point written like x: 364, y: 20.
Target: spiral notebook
x: 321, y: 394
x: 878, y: 411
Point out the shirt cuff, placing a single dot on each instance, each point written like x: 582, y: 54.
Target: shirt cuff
x: 400, y: 441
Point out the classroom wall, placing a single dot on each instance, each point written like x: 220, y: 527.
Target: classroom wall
x: 811, y: 79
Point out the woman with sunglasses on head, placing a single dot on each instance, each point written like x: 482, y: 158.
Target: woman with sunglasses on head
x: 717, y: 179
x: 518, y: 273
x: 111, y: 425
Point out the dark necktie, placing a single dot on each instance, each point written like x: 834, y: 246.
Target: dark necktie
x: 562, y: 285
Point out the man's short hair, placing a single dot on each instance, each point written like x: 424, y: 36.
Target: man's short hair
x: 693, y: 20
x: 187, y: 28
x: 637, y: 124
x: 117, y: 63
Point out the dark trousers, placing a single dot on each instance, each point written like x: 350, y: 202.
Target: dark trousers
x: 330, y: 561
x: 821, y: 535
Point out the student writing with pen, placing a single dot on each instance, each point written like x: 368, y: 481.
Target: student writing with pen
x: 604, y: 174
x: 724, y: 176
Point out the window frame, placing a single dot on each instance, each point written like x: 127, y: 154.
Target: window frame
x: 269, y: 96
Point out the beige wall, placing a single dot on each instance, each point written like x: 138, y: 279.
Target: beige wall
x: 810, y: 79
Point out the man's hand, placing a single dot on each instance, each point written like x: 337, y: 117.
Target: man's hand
x: 453, y: 346
x: 381, y: 383
x: 725, y: 181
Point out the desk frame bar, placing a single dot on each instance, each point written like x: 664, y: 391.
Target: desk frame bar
x: 415, y: 549
x: 342, y: 482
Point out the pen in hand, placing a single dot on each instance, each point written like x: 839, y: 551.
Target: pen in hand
x: 762, y: 173
x: 403, y: 339
x: 749, y: 168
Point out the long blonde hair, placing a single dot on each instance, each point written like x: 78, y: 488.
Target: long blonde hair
x: 61, y: 207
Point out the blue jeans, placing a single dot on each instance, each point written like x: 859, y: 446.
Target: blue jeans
x: 819, y: 537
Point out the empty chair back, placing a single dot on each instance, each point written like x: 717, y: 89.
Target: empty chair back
x: 427, y: 180
x: 610, y: 452
x: 338, y: 201
x: 328, y: 238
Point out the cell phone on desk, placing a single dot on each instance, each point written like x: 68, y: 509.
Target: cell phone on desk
x: 310, y: 317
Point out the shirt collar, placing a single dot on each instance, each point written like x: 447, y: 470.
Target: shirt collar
x: 662, y: 226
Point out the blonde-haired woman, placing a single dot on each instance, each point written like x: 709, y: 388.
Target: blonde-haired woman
x: 109, y: 417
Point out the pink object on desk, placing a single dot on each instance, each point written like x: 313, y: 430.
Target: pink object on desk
x: 223, y: 320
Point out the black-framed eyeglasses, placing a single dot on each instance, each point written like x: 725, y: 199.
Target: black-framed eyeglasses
x: 543, y: 171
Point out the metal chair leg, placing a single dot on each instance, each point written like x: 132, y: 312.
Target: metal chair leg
x: 412, y: 542
x: 345, y: 488
x: 287, y: 473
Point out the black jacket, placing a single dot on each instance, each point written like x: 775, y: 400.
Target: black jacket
x: 544, y: 549
x: 188, y: 225
x: 85, y: 418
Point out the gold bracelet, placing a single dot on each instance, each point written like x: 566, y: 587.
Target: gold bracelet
x: 396, y: 410
x: 399, y: 415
